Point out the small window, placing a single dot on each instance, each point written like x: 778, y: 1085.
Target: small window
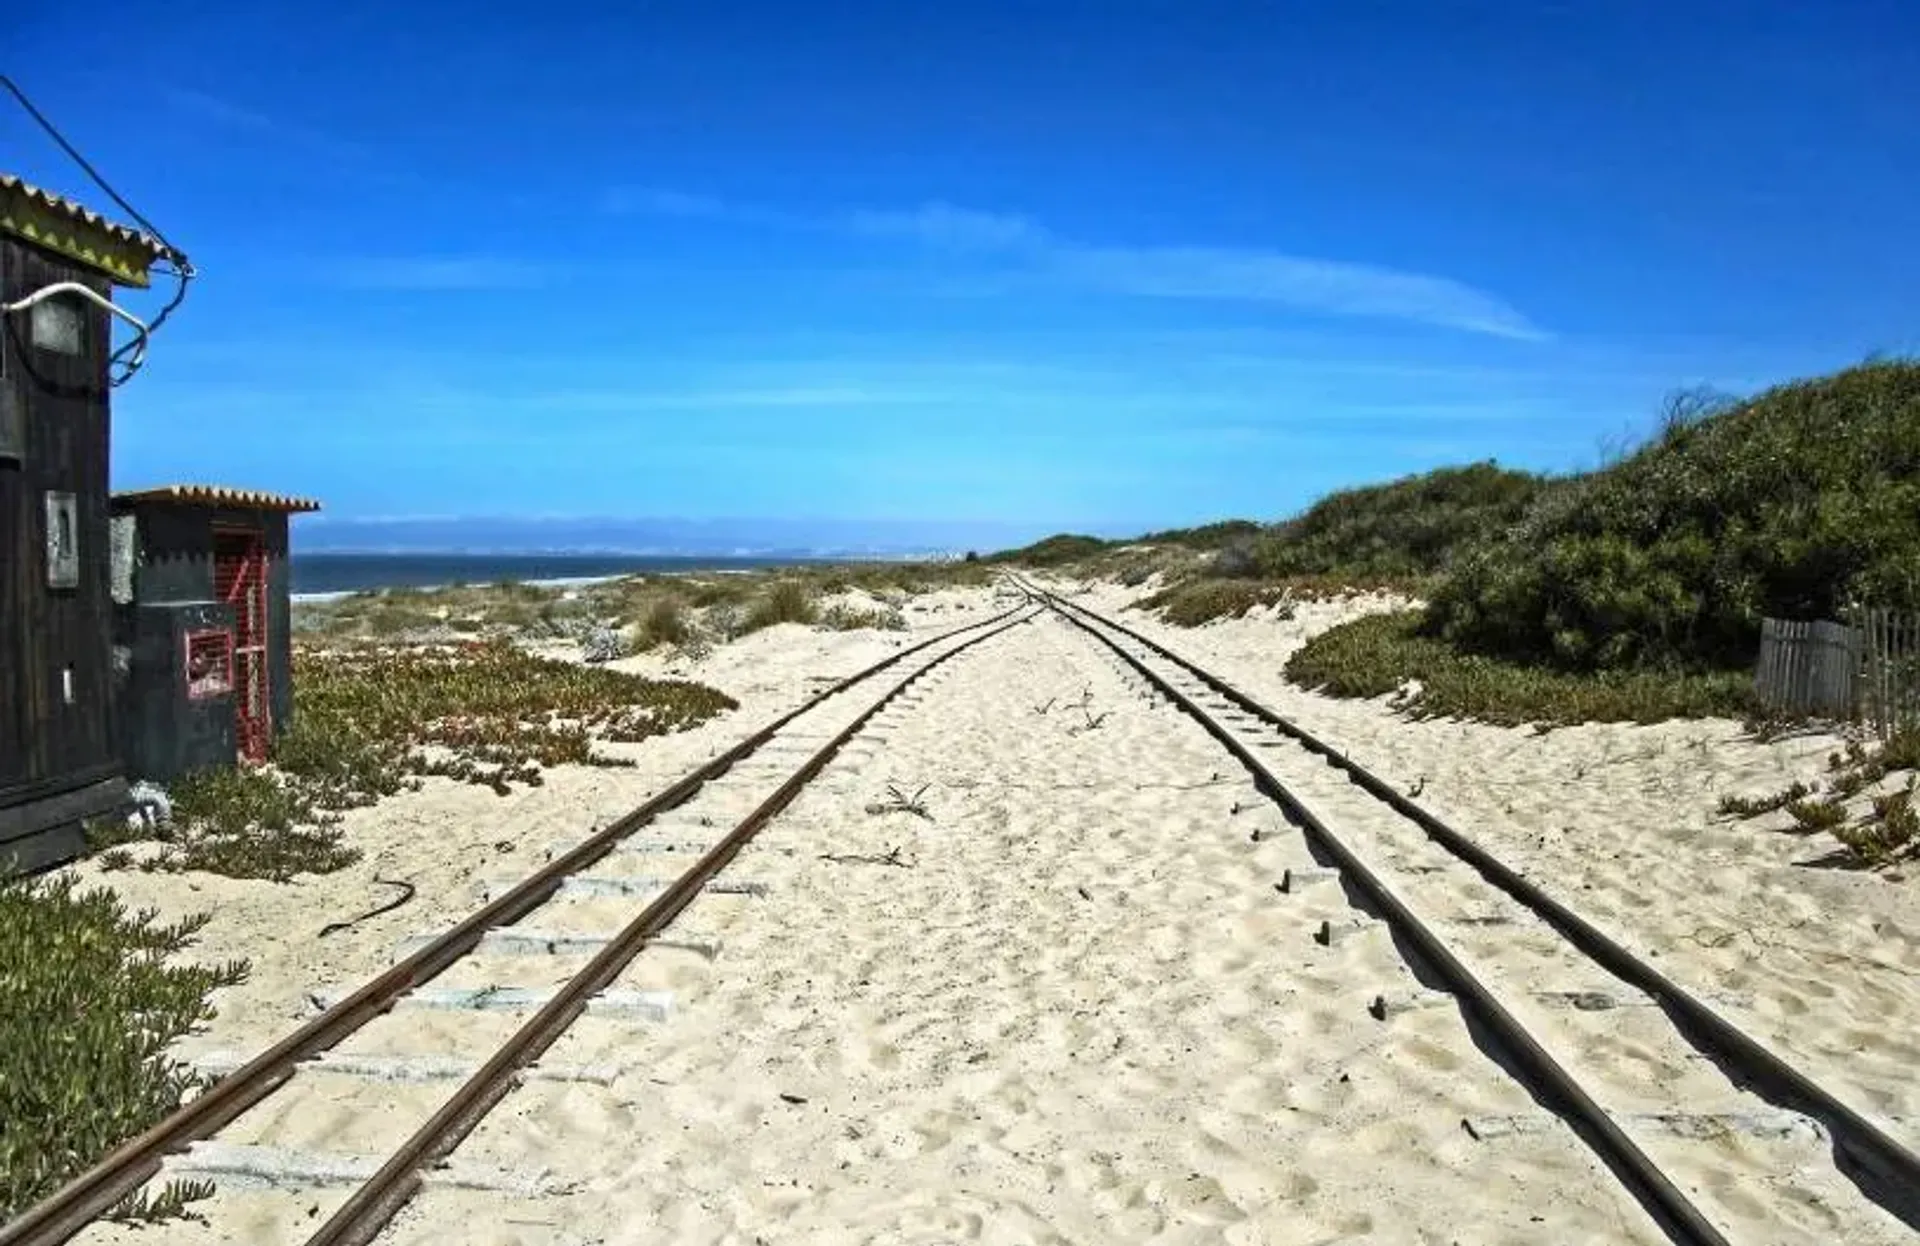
x: 209, y: 664
x: 59, y: 325
x: 63, y: 541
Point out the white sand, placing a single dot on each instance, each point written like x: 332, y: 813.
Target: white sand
x: 1619, y: 821
x: 1079, y: 1012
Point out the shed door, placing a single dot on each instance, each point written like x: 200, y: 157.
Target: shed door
x: 240, y: 580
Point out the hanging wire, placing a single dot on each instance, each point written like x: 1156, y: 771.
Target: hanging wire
x: 176, y: 263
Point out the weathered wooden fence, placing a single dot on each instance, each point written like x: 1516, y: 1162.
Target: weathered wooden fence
x: 1867, y: 668
x: 1808, y: 666
x: 1889, y: 691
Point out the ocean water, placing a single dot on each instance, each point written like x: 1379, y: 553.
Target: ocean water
x: 352, y: 573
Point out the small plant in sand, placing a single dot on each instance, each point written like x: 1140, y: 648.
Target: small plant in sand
x: 898, y: 801
x: 88, y: 1006
x: 845, y: 618
x: 250, y: 824
x: 1754, y: 806
x: 1817, y: 815
x: 1888, y: 833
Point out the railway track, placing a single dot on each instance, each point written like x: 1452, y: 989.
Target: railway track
x: 729, y: 800
x: 1716, y: 1136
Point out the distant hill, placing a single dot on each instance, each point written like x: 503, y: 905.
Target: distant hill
x: 1053, y: 551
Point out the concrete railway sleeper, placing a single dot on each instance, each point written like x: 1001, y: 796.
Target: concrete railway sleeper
x: 1717, y: 1137
x: 707, y: 847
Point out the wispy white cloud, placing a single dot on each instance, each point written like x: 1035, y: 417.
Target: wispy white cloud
x: 1270, y: 277
x: 943, y: 225
x: 1221, y: 274
x: 654, y: 201
x: 233, y: 115
x: 436, y: 272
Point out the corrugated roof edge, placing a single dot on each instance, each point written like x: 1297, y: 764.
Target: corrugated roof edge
x: 218, y: 495
x: 87, y: 216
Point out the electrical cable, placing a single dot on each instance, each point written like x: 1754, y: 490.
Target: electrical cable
x: 178, y: 264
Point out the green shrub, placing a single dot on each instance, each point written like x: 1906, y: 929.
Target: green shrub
x: 731, y: 590
x: 1817, y: 815
x: 786, y: 601
x: 1787, y: 505
x: 841, y: 618
x: 1378, y: 654
x: 1210, y: 536
x: 247, y: 823
x: 1405, y: 529
x: 665, y: 624
x: 88, y: 1006
x: 1053, y: 551
x: 1195, y: 602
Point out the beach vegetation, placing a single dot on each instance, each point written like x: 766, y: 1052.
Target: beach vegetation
x: 665, y: 623
x: 1058, y: 550
x: 841, y: 617
x: 786, y: 600
x: 1390, y: 654
x: 1789, y: 504
x: 1191, y: 603
x: 91, y: 997
x: 1884, y: 832
x: 1655, y: 572
x: 377, y: 720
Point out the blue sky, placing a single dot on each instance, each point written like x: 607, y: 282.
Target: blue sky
x: 1096, y: 264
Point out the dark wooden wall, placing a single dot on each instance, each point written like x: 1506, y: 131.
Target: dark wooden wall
x: 48, y: 745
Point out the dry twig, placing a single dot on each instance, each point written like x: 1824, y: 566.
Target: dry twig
x: 899, y: 802
x: 892, y: 857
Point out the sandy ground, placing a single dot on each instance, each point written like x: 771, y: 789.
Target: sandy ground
x: 446, y: 837
x: 1619, y: 822
x: 1074, y: 1008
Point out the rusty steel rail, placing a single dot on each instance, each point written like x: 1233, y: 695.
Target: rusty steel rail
x: 369, y: 1209
x: 1672, y: 1209
x: 1877, y: 1154
x: 64, y: 1213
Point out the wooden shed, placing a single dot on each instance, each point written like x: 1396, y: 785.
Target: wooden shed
x: 59, y: 755
x: 206, y: 629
